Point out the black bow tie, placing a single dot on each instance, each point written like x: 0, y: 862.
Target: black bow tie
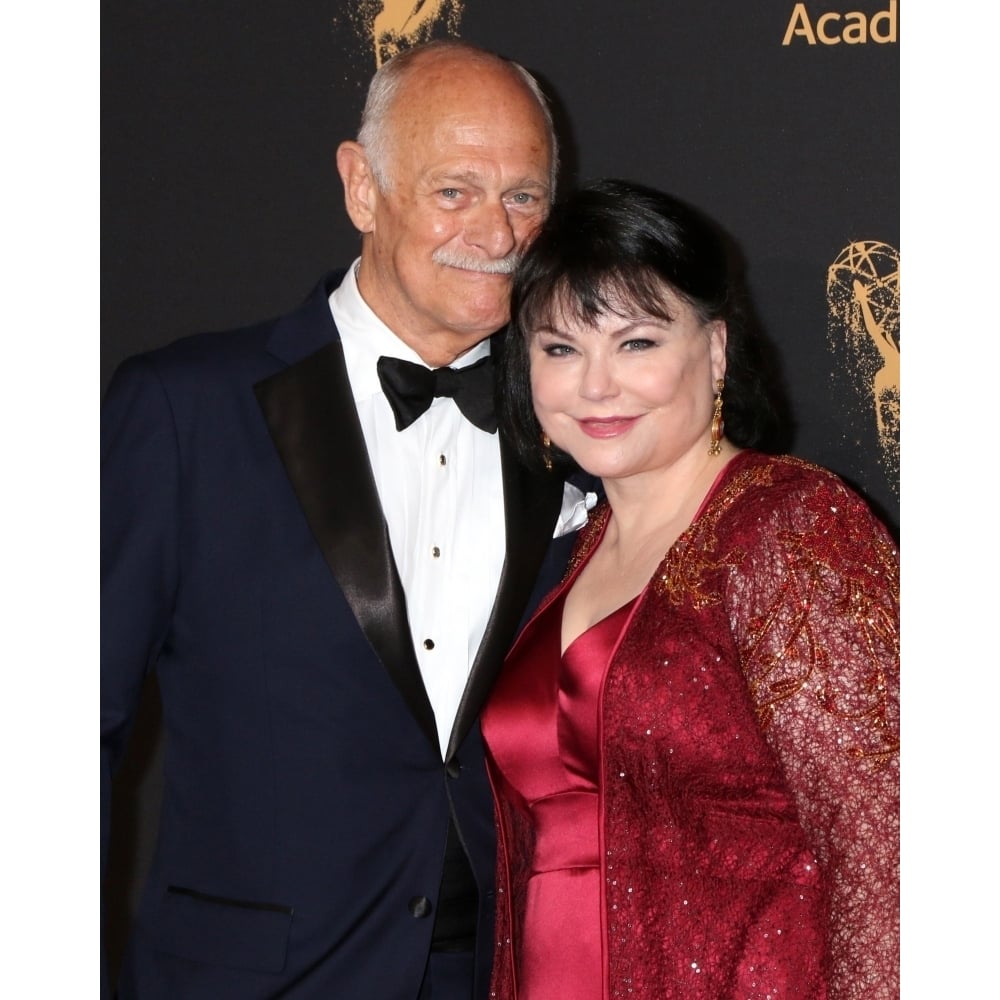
x: 410, y: 389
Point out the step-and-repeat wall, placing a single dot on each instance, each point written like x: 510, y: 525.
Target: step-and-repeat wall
x: 221, y: 204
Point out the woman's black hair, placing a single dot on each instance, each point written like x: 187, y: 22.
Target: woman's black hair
x: 613, y: 246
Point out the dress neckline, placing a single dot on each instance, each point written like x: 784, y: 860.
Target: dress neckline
x: 606, y: 621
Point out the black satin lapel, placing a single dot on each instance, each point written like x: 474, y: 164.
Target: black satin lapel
x: 531, y: 507
x: 311, y: 417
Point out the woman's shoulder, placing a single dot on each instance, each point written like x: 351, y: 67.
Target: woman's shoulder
x: 790, y: 492
x: 783, y: 469
x: 776, y: 518
x: 756, y: 472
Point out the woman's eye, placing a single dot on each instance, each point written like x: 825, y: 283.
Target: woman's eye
x: 557, y: 350
x: 638, y: 344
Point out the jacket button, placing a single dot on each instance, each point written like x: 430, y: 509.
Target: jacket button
x: 453, y: 768
x: 420, y: 906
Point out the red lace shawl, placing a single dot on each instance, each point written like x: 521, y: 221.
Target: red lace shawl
x: 749, y: 747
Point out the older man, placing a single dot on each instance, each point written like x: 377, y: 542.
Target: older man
x: 313, y: 533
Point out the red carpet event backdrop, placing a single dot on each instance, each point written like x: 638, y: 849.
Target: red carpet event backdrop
x: 221, y: 203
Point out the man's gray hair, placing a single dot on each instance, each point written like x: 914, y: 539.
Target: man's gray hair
x: 375, y: 132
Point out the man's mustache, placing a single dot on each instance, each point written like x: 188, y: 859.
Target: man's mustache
x: 471, y: 262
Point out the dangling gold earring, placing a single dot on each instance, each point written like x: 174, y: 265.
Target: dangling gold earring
x: 718, y: 424
x: 546, y: 452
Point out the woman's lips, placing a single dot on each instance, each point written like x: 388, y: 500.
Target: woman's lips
x: 606, y: 427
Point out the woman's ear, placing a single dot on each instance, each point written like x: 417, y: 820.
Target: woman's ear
x: 360, y: 189
x: 717, y: 349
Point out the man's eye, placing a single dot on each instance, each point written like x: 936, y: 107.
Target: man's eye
x: 450, y: 192
x: 522, y: 198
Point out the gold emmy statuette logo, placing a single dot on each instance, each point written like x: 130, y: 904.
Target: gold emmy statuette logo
x: 862, y: 292
x: 389, y: 26
x: 852, y: 28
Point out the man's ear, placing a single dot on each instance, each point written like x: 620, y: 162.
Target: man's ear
x: 360, y: 189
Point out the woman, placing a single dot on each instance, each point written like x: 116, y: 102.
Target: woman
x: 693, y: 744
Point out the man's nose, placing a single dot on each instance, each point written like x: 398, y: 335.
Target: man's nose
x: 490, y: 228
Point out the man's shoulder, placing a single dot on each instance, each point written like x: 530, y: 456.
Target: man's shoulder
x: 248, y: 350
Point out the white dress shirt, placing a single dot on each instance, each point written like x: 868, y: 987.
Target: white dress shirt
x: 441, y: 489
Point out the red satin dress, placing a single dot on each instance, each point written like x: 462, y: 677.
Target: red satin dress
x: 543, y: 735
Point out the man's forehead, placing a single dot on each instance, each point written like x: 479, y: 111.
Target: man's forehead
x: 469, y: 171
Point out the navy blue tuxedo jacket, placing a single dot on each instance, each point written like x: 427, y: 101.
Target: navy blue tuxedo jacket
x: 245, y: 558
